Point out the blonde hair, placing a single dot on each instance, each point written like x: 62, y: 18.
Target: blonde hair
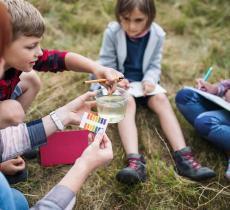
x: 5, y: 29
x: 25, y: 18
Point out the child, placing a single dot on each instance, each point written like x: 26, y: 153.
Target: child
x: 17, y: 138
x: 133, y: 45
x: 210, y: 120
x: 24, y: 54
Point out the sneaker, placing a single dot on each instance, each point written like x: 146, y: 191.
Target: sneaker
x: 134, y: 172
x: 187, y: 166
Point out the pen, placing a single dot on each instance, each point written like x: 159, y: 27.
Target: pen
x: 208, y: 73
x: 100, y: 80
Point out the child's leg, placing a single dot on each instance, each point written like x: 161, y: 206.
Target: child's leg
x: 169, y: 123
x: 11, y: 113
x: 135, y: 171
x: 191, y: 104
x: 215, y: 127
x: 30, y: 85
x: 185, y: 162
x: 128, y: 130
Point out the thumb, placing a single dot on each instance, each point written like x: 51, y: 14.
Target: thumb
x: 99, y: 136
x: 87, y: 95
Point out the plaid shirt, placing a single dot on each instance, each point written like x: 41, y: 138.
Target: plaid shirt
x: 51, y: 60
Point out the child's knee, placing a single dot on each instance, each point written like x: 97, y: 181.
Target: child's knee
x: 13, y: 112
x: 160, y: 100
x: 35, y: 81
x: 31, y: 80
x: 204, y: 123
x: 131, y: 102
x: 184, y: 96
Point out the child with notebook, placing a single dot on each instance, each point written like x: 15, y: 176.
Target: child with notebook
x: 210, y: 120
x: 133, y: 45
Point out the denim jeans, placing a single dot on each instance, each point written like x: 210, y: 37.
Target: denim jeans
x: 210, y: 120
x: 11, y: 199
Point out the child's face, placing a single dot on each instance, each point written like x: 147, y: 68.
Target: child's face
x: 22, y: 53
x: 134, y: 23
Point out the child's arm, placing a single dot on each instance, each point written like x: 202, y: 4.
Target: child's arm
x: 108, y: 55
x: 154, y: 71
x: 98, y: 153
x: 16, y: 140
x: 77, y: 62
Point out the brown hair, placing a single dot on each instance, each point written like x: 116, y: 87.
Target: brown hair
x: 26, y: 19
x: 147, y: 7
x: 5, y: 28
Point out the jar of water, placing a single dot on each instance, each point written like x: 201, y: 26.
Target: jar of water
x: 112, y: 106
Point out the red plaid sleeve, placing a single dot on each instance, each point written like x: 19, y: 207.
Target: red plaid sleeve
x: 51, y: 60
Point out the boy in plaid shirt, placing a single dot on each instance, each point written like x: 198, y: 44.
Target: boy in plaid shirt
x: 24, y: 54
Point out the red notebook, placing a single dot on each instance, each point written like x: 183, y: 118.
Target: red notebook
x: 63, y: 147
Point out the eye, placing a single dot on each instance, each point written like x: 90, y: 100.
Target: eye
x: 32, y: 46
x: 139, y: 20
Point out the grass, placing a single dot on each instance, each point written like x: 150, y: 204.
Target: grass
x: 197, y: 37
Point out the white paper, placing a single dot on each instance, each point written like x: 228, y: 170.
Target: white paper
x: 136, y: 89
x: 215, y: 99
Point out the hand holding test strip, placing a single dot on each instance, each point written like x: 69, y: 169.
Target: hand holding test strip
x: 93, y: 123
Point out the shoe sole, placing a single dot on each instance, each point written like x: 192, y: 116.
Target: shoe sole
x: 129, y: 179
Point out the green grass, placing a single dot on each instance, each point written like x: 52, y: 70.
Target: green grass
x: 197, y: 37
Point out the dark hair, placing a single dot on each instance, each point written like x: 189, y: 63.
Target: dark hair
x: 5, y: 28
x: 147, y: 7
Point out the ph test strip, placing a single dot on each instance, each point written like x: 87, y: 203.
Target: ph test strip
x: 93, y: 122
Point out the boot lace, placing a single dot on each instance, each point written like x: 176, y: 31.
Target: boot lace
x: 194, y: 163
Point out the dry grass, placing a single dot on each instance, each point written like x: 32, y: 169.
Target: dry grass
x: 197, y: 37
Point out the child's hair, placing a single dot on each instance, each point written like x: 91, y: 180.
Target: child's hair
x: 5, y: 28
x: 147, y: 7
x: 26, y: 19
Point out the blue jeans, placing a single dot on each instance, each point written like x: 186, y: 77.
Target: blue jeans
x: 11, y: 199
x: 210, y: 120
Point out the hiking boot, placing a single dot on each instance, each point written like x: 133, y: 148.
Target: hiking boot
x: 187, y: 166
x: 134, y: 172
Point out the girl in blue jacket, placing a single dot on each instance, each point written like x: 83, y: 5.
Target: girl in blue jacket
x: 133, y: 45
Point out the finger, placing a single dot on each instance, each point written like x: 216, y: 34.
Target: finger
x: 90, y: 138
x: 87, y: 95
x: 99, y: 137
x: 106, y: 141
x: 91, y: 104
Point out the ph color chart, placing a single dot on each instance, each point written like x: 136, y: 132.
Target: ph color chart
x: 93, y: 122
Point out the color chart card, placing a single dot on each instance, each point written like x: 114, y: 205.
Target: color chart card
x: 93, y: 122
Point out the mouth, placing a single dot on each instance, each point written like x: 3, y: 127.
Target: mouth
x: 33, y: 62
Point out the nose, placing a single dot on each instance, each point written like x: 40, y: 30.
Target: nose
x: 39, y: 52
x: 132, y: 26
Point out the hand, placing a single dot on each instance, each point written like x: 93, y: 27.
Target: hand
x: 207, y: 87
x: 111, y: 75
x: 148, y: 87
x: 11, y: 167
x: 72, y: 112
x: 227, y: 96
x: 123, y: 84
x: 98, y: 153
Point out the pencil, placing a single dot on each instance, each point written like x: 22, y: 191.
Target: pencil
x: 100, y: 80
x: 207, y: 75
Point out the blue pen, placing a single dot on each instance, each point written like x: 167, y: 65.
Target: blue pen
x: 207, y: 75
